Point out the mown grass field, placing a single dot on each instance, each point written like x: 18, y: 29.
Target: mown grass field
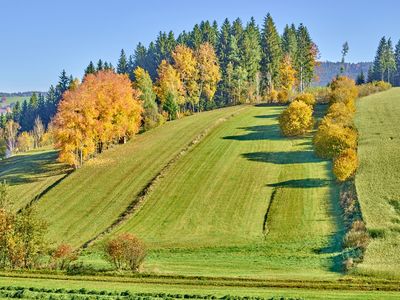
x: 206, y: 216
x: 30, y: 174
x: 378, y: 180
x: 91, y: 198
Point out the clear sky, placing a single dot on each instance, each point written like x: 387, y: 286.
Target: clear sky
x: 40, y: 38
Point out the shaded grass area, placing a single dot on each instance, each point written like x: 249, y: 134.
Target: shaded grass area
x: 30, y: 174
x: 93, y: 197
x: 206, y: 216
x: 378, y: 181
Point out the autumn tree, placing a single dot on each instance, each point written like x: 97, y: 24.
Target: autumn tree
x: 209, y: 72
x: 104, y: 109
x: 287, y: 75
x: 25, y: 141
x: 126, y: 252
x: 169, y: 86
x: 10, y: 135
x: 345, y: 164
x: 185, y: 63
x: 144, y: 85
x: 297, y: 119
x: 38, y: 132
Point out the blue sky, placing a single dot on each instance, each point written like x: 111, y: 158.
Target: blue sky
x: 40, y: 38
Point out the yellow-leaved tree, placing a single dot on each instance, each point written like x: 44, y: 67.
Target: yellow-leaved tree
x: 209, y: 71
x: 185, y: 63
x: 287, y: 77
x: 297, y: 119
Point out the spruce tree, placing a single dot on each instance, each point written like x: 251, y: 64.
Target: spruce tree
x: 251, y: 56
x: 90, y: 69
x: 195, y: 37
x: 272, y: 53
x: 396, y: 79
x: 289, y: 42
x: 377, y: 68
x: 100, y: 65
x: 122, y: 66
x: 305, y: 58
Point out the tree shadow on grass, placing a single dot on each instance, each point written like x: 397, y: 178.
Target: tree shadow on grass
x: 273, y: 116
x: 22, y: 169
x: 283, y: 157
x: 301, y: 183
x: 260, y: 132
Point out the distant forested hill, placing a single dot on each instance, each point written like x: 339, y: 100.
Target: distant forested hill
x: 328, y: 70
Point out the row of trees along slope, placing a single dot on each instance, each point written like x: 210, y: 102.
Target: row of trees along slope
x: 202, y: 69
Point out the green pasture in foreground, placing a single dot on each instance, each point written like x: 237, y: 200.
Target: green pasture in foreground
x: 378, y: 180
x: 199, y: 289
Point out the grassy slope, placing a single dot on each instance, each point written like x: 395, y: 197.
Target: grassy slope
x: 30, y: 173
x: 206, y: 216
x: 378, y: 181
x: 91, y: 198
x: 15, y: 99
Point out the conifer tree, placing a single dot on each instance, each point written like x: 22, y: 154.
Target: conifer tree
x: 90, y: 69
x: 100, y: 66
x: 251, y: 55
x: 272, y: 53
x: 289, y: 42
x: 396, y: 77
x: 306, y: 57
x: 122, y: 66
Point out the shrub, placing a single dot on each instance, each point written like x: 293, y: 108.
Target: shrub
x: 307, y: 98
x: 345, y: 165
x: 297, y: 119
x: 343, y: 89
x: 373, y: 87
x: 339, y: 113
x: 126, y: 251
x: 321, y: 94
x: 331, y: 139
x: 63, y: 256
x: 357, y: 237
x: 283, y: 97
x: 272, y: 96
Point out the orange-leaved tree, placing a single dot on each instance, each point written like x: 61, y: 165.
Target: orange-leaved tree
x: 104, y: 109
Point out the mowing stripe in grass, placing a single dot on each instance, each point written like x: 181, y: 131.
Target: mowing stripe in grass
x: 144, y: 193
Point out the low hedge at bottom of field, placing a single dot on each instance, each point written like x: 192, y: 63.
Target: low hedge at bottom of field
x: 84, y: 294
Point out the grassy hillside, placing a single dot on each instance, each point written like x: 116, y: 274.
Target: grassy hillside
x: 206, y: 216
x: 91, y: 198
x: 30, y: 174
x: 378, y: 178
x: 15, y: 99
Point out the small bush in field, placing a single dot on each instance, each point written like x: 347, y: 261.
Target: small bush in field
x: 307, y: 98
x: 283, y: 97
x: 63, y: 256
x: 126, y: 252
x: 297, y: 119
x: 344, y: 90
x: 339, y: 113
x: 345, y: 165
x: 331, y: 139
x: 357, y: 237
x: 272, y: 96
